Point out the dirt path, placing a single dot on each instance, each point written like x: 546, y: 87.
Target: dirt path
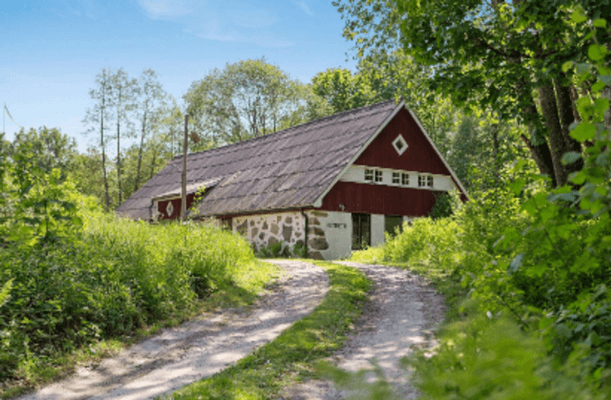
x: 401, y: 313
x: 197, y: 349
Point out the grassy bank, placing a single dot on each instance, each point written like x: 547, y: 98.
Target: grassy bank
x: 528, y: 308
x: 79, y: 298
x: 292, y: 356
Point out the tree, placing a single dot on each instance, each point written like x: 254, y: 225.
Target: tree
x: 342, y: 90
x: 96, y: 116
x: 246, y: 99
x: 49, y: 148
x: 124, y: 91
x: 505, y: 56
x: 151, y: 98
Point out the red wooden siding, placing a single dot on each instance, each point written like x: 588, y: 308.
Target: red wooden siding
x: 378, y: 199
x: 420, y: 155
x: 176, y: 204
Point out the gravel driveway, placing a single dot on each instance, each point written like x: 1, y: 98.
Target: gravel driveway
x: 197, y: 349
x: 402, y: 312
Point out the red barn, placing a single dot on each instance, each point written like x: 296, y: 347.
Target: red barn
x: 334, y: 184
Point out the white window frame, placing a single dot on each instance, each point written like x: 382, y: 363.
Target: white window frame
x: 396, y: 178
x: 368, y: 175
x: 379, y: 175
x: 425, y: 180
x: 400, y: 144
x: 404, y: 179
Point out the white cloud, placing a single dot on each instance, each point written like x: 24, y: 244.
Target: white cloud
x: 229, y: 21
x: 305, y: 7
x: 163, y: 9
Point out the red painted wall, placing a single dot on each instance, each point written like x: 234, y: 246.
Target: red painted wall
x: 420, y: 155
x: 176, y: 204
x: 378, y: 199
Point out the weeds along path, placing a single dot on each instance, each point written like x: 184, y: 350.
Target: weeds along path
x: 199, y: 348
x: 402, y: 312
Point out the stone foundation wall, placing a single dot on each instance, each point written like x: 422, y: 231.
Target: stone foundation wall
x: 264, y: 230
x: 329, y: 234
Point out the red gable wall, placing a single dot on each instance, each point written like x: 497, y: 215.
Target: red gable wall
x: 420, y: 155
x: 378, y: 199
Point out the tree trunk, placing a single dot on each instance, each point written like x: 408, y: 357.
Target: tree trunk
x: 106, y: 194
x: 540, y: 152
x: 140, y: 152
x: 119, y: 148
x: 557, y: 142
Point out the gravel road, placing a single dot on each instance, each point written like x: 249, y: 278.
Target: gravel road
x: 403, y: 311
x: 200, y: 348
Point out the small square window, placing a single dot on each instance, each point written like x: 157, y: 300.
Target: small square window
x: 368, y: 175
x: 396, y: 178
x: 425, y: 181
x: 379, y: 175
x: 400, y: 144
x: 404, y: 179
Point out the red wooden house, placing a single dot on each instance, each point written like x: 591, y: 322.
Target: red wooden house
x: 333, y: 184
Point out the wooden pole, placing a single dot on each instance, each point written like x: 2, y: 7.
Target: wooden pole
x: 183, y: 191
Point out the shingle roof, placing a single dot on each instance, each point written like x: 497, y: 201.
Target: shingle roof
x: 285, y: 169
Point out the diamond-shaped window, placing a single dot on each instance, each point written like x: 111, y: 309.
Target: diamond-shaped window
x: 400, y: 144
x: 169, y: 209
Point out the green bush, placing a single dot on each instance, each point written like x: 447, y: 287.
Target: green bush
x: 120, y: 276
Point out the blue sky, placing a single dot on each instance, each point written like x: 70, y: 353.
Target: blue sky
x: 52, y: 50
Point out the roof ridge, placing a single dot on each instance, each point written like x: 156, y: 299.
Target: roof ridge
x: 319, y: 120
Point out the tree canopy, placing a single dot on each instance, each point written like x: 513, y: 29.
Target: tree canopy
x: 246, y: 99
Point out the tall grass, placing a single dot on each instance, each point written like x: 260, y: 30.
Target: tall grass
x: 115, y: 277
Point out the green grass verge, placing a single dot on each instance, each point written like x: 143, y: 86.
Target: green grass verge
x: 292, y: 356
x: 247, y: 282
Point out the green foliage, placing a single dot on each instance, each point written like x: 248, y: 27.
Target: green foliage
x: 295, y: 353
x: 342, y: 90
x: 246, y: 99
x: 120, y: 276
x: 536, y: 266
x: 491, y: 358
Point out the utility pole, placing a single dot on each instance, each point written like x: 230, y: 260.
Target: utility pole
x: 183, y: 192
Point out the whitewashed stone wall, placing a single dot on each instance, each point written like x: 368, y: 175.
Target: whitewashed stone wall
x: 266, y: 229
x: 329, y: 234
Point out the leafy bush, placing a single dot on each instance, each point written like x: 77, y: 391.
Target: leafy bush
x: 120, y: 276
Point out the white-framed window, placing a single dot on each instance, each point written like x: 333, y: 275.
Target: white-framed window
x: 404, y: 179
x: 400, y: 144
x: 379, y: 175
x: 396, y: 178
x: 368, y: 175
x: 425, y: 181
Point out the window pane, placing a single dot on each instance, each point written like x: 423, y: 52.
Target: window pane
x: 396, y: 178
x: 378, y: 176
x: 369, y: 175
x: 405, y: 179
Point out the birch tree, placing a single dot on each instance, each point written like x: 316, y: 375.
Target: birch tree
x: 97, y: 117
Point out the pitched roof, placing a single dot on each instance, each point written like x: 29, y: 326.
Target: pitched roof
x: 285, y: 169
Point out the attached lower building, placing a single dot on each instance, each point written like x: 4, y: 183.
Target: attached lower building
x: 332, y: 185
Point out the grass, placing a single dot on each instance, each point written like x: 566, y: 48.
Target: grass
x: 247, y: 280
x: 293, y: 355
